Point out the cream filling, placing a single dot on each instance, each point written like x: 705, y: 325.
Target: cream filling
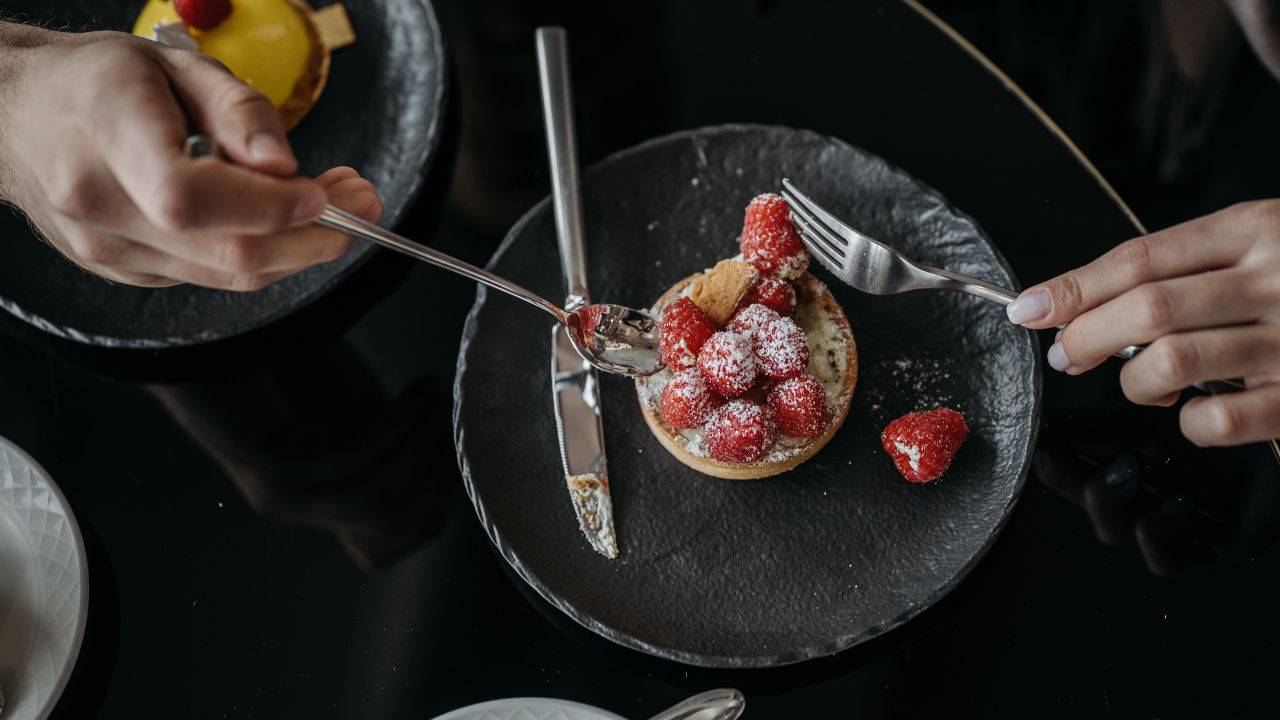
x: 912, y: 452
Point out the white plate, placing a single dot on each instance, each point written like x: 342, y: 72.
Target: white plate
x: 44, y: 587
x: 529, y: 709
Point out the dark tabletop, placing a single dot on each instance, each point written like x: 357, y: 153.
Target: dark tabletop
x: 290, y: 538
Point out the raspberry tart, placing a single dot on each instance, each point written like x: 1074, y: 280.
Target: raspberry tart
x: 761, y: 361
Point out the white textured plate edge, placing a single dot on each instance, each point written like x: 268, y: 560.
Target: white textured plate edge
x: 540, y: 708
x: 44, y: 705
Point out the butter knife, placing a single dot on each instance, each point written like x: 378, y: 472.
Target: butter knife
x: 575, y: 384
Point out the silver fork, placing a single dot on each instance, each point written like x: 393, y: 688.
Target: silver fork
x: 871, y: 266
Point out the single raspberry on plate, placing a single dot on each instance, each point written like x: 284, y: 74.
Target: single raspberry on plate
x: 751, y: 319
x: 728, y: 362
x: 687, y: 401
x: 782, y: 349
x: 740, y: 432
x: 773, y: 293
x: 923, y: 444
x: 682, y: 330
x: 203, y: 14
x: 799, y: 406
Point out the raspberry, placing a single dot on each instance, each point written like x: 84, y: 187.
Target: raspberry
x: 751, y: 319
x: 777, y: 252
x: 769, y: 241
x: 587, y: 319
x: 203, y: 14
x: 682, y: 330
x: 799, y: 406
x: 922, y: 445
x: 767, y: 211
x: 773, y: 293
x: 782, y: 349
x: 740, y: 432
x: 728, y: 362
x: 687, y: 402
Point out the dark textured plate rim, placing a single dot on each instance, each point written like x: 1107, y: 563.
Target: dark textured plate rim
x: 428, y: 154
x: 838, y: 644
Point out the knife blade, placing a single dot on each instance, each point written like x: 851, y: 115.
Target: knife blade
x: 576, y: 395
x: 575, y: 384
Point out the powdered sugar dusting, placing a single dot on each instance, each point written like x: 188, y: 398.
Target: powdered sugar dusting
x: 727, y: 353
x: 921, y: 379
x: 752, y: 319
x: 740, y: 431
x: 687, y: 401
x: 828, y: 362
x: 775, y: 251
x: 800, y: 406
x: 783, y: 348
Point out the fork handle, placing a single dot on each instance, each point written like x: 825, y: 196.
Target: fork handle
x: 985, y: 290
x: 948, y: 280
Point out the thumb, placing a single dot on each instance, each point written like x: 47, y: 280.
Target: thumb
x: 240, y: 119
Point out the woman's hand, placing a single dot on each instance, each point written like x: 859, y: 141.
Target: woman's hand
x: 1205, y: 297
x: 91, y: 133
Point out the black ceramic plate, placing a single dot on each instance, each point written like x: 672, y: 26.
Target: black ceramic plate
x: 381, y: 112
x: 757, y: 573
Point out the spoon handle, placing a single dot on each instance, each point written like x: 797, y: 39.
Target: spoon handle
x: 557, y: 114
x: 335, y: 218
x: 338, y: 219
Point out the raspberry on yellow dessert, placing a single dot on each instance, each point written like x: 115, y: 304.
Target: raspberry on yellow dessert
x: 278, y: 47
x: 761, y: 365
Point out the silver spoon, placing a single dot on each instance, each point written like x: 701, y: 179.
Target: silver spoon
x: 725, y: 704
x: 613, y: 338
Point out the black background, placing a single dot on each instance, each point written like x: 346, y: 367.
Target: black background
x: 290, y: 538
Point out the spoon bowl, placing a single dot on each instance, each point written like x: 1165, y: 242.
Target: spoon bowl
x: 615, y: 338
x: 724, y: 704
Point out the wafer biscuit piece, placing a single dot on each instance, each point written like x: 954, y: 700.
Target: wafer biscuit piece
x: 721, y: 288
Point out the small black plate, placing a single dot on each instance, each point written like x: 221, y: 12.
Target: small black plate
x: 382, y: 113
x: 728, y: 573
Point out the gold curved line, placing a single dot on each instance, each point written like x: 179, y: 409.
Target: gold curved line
x: 1031, y: 105
x: 1044, y: 118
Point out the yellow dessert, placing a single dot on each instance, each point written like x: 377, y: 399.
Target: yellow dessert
x: 274, y: 46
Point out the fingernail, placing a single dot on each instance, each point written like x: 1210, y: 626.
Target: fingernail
x: 1029, y: 307
x: 265, y: 147
x: 1058, y: 357
x: 309, y: 208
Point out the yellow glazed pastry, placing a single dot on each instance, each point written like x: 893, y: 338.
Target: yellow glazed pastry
x: 272, y: 45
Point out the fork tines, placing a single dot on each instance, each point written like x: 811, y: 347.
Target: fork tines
x: 825, y: 245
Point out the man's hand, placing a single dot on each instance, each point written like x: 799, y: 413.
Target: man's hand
x: 1205, y: 296
x: 91, y: 133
